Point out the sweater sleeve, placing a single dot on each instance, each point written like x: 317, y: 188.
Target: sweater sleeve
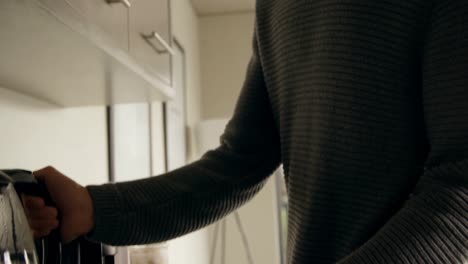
x: 189, y: 198
x: 432, y: 226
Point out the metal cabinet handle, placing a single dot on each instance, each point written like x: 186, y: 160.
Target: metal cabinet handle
x: 155, y: 35
x: 125, y: 2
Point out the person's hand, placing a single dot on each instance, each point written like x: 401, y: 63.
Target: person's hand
x: 72, y: 200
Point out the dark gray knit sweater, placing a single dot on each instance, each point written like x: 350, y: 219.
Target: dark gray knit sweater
x: 365, y: 102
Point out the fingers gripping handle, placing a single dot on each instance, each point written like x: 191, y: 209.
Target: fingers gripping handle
x: 49, y: 249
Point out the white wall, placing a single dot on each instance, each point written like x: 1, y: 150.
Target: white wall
x: 226, y: 46
x: 34, y: 134
x: 192, y: 248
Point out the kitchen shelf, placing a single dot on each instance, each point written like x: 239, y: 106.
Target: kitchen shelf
x: 60, y: 58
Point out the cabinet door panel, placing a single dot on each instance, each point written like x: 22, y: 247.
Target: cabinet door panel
x: 175, y: 115
x: 146, y: 18
x: 109, y: 19
x: 130, y: 142
x: 65, y: 12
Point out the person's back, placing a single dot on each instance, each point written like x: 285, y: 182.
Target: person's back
x: 364, y: 103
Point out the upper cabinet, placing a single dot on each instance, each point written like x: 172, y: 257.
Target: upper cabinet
x: 108, y: 17
x: 150, y: 38
x: 86, y: 52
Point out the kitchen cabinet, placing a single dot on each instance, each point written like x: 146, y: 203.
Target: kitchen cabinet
x: 110, y: 18
x: 130, y: 142
x: 62, y: 9
x: 130, y: 149
x: 76, y: 52
x: 176, y: 138
x: 150, y: 38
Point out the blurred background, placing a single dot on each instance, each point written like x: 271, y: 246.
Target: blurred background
x: 108, y: 91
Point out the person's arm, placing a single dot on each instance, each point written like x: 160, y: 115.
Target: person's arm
x: 432, y: 226
x: 181, y: 201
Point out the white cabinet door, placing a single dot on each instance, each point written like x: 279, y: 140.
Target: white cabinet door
x: 146, y: 18
x: 130, y: 142
x: 175, y: 115
x: 176, y: 146
x: 110, y: 20
x: 158, y: 145
x: 130, y: 149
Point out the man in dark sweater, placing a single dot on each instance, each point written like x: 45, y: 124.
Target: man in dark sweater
x: 365, y: 103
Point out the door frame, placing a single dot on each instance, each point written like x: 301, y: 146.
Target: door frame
x: 177, y: 45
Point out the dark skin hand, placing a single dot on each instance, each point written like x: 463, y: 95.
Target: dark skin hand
x: 71, y: 200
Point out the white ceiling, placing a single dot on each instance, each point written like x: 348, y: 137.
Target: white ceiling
x: 209, y: 7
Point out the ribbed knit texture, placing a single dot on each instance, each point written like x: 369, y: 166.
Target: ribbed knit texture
x: 366, y: 105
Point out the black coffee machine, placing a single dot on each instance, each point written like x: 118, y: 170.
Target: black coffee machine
x: 50, y: 250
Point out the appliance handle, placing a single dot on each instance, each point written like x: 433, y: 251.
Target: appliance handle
x: 38, y: 189
x: 25, y: 183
